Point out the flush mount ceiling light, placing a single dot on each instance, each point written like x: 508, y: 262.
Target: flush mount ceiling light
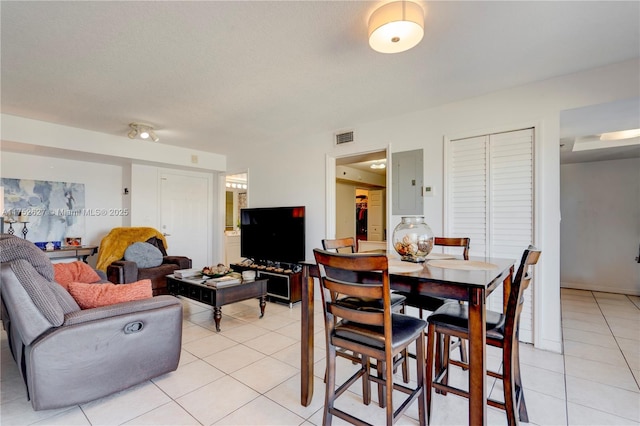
x: 396, y: 27
x: 143, y: 131
x: 378, y: 165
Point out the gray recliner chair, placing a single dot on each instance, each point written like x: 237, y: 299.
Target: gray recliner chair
x: 69, y: 356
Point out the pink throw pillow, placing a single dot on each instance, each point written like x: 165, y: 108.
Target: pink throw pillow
x: 66, y: 273
x: 95, y: 295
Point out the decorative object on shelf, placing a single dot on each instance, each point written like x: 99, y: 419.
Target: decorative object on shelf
x: 23, y: 219
x: 10, y: 219
x: 143, y: 131
x: 396, y: 27
x: 73, y: 241
x: 48, y: 245
x: 413, y: 239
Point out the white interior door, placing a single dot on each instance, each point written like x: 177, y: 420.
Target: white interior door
x: 375, y: 216
x: 184, y: 215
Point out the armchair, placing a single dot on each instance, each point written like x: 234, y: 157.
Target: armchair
x: 121, y: 271
x: 69, y: 356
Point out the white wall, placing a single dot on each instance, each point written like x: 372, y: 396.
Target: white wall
x: 345, y: 210
x: 600, y: 229
x: 102, y: 184
x: 145, y: 196
x: 294, y: 173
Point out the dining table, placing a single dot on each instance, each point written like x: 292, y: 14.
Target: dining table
x: 471, y: 281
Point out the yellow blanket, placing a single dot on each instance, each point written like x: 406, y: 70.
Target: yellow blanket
x: 114, y: 244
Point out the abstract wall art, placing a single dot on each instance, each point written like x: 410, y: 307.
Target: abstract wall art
x: 51, y: 211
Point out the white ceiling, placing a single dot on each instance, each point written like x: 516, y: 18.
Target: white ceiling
x: 212, y: 74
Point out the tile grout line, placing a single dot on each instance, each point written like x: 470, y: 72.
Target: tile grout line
x: 616, y: 340
x: 564, y: 366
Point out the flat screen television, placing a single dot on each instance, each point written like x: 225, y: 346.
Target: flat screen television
x: 273, y: 234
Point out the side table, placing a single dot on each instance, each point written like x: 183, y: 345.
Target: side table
x: 79, y: 252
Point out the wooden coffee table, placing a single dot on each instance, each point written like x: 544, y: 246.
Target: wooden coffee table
x: 218, y: 297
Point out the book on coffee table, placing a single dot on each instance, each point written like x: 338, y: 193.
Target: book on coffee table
x: 223, y: 281
x: 187, y: 273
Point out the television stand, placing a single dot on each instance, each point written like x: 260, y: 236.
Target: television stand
x: 283, y: 284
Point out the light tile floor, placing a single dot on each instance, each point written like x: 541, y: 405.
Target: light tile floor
x: 248, y: 374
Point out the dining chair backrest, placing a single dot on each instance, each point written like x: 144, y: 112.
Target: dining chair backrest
x: 454, y: 242
x: 340, y: 245
x: 352, y: 275
x: 370, y: 246
x: 520, y: 283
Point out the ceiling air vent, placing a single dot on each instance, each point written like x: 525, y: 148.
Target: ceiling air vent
x: 344, y: 137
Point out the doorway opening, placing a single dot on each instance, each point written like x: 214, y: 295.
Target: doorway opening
x: 236, y: 198
x: 599, y: 192
x: 360, y: 196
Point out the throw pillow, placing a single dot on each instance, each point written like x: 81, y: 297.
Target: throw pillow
x: 95, y: 295
x: 65, y: 273
x: 145, y: 255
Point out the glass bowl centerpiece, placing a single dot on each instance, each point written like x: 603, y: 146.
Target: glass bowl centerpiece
x: 413, y: 239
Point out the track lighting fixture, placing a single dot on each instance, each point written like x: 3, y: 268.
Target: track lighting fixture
x: 143, y: 131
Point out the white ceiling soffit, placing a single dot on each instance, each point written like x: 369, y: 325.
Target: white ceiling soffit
x: 581, y: 128
x: 220, y: 75
x: 595, y: 142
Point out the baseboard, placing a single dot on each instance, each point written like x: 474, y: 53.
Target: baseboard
x: 549, y: 345
x: 599, y: 288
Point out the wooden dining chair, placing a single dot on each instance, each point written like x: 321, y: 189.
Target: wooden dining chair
x: 371, y: 246
x: 452, y: 319
x: 430, y: 303
x: 348, y: 245
x: 340, y: 245
x: 379, y: 334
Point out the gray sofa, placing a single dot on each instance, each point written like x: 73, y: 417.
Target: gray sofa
x: 69, y: 356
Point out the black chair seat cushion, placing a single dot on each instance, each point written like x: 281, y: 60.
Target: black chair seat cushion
x: 405, y: 330
x: 368, y: 303
x: 428, y: 303
x: 456, y: 316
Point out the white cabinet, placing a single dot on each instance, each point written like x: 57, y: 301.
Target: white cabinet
x: 490, y: 199
x: 232, y: 247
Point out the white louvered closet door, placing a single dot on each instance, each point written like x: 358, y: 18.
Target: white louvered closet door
x: 490, y: 199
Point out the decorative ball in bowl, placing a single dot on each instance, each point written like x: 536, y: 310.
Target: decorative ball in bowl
x: 217, y: 271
